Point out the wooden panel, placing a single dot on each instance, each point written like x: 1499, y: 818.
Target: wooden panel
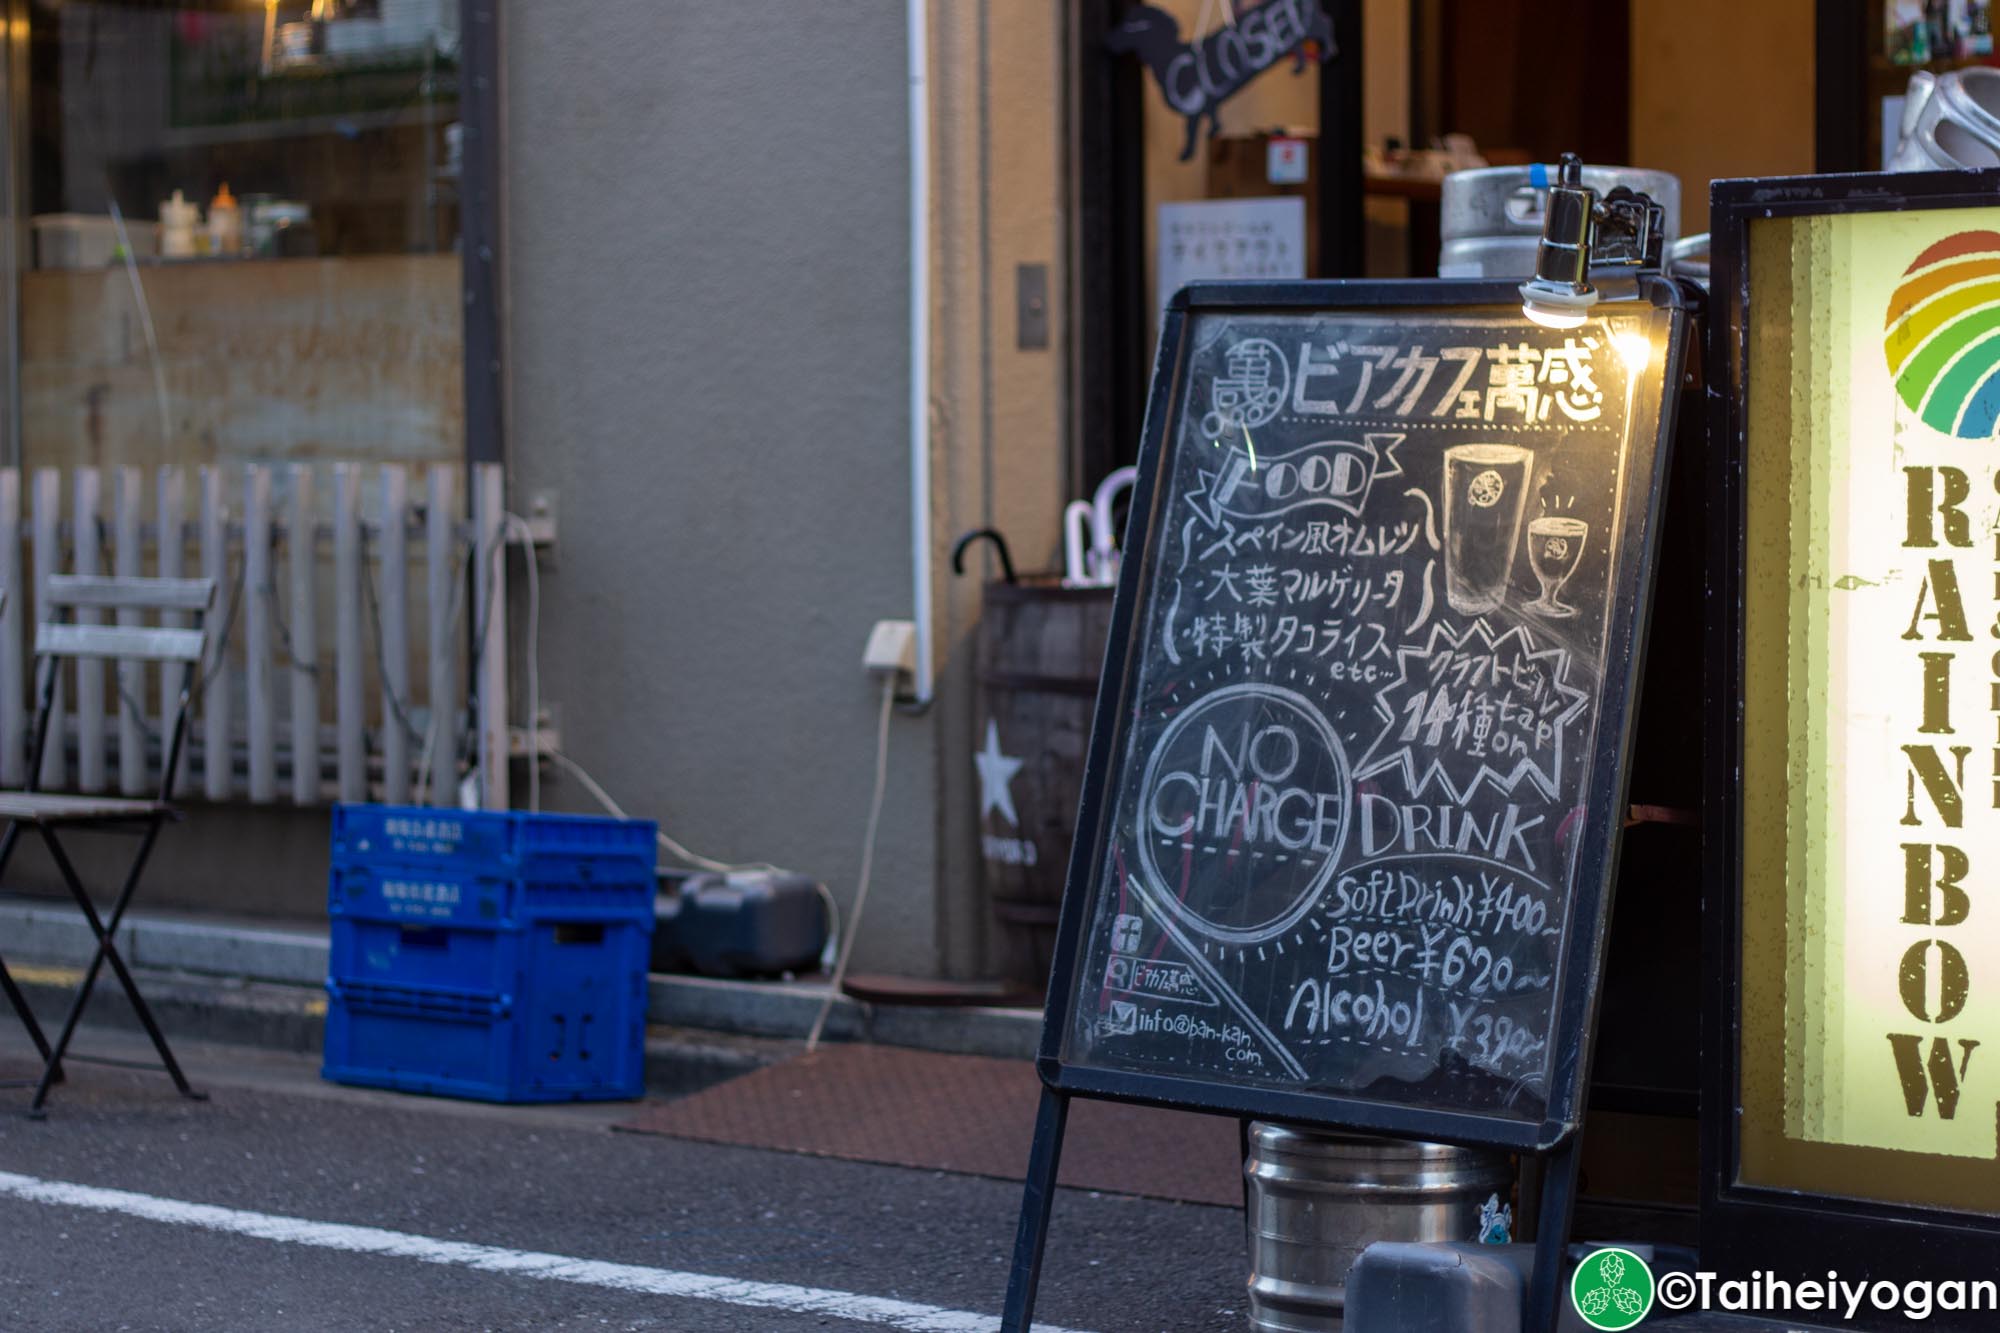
x: 355, y: 358
x: 1689, y: 93
x: 1549, y: 77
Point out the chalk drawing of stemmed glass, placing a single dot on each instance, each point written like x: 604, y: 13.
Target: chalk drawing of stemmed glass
x: 1555, y: 546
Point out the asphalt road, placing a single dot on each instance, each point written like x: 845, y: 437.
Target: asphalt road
x: 275, y: 1141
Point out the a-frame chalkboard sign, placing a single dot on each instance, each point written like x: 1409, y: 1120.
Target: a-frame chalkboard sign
x: 1357, y: 774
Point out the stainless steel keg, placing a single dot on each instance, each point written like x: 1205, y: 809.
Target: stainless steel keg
x: 1490, y: 220
x: 1317, y: 1200
x: 1950, y: 121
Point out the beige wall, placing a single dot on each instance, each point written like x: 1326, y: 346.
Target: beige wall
x: 999, y: 413
x: 1721, y: 88
x: 1385, y: 74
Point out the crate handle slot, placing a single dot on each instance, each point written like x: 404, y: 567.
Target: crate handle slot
x: 425, y: 937
x: 579, y: 932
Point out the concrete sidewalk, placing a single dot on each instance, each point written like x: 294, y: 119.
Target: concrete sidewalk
x: 260, y: 984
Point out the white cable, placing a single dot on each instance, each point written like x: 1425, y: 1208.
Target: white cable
x: 146, y: 327
x: 433, y: 732
x: 827, y: 955
x: 515, y: 523
x: 831, y: 950
x: 867, y: 860
x: 602, y: 796
x: 673, y: 849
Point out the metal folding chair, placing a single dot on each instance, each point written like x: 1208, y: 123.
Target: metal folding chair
x: 57, y: 640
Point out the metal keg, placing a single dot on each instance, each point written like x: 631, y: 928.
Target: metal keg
x: 1317, y: 1200
x: 1950, y: 121
x: 1490, y: 220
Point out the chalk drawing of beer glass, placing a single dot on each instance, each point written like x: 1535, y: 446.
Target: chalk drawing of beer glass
x: 1555, y: 545
x: 1485, y: 494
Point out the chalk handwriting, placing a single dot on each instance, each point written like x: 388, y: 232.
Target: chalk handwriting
x: 1360, y: 721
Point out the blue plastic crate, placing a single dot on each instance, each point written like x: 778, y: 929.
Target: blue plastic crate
x: 444, y: 897
x: 573, y: 1027
x: 400, y: 953
x: 424, y: 896
x: 488, y: 869
x: 503, y: 842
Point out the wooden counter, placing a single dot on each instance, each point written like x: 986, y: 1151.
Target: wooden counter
x: 354, y: 358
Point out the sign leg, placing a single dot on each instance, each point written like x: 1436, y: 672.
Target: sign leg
x: 1552, y: 1221
x: 1037, y: 1197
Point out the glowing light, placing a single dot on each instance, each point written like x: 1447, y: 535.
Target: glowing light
x: 1635, y: 349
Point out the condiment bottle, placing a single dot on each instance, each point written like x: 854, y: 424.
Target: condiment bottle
x: 225, y: 224
x: 178, y: 220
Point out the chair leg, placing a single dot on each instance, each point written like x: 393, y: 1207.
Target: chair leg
x: 35, y: 1034
x: 107, y: 951
x: 7, y: 984
x: 20, y: 1003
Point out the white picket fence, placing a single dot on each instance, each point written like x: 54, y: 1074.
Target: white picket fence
x: 350, y: 721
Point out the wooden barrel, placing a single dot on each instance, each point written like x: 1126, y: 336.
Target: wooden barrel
x: 1041, y: 648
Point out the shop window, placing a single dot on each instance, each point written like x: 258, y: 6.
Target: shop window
x: 243, y: 223
x: 1231, y: 197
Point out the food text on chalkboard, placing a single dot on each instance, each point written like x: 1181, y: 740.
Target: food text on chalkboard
x: 1390, y: 580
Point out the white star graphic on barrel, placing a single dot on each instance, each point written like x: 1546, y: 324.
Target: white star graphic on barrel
x: 996, y: 770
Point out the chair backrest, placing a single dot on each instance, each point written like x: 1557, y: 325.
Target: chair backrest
x: 57, y: 638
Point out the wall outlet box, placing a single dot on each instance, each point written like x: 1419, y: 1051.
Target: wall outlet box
x: 892, y: 649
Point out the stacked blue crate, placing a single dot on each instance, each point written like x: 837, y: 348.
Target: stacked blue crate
x: 492, y: 955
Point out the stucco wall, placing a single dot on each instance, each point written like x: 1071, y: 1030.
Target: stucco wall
x: 706, y: 269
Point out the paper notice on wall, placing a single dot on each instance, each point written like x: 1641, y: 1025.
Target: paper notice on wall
x: 1230, y: 239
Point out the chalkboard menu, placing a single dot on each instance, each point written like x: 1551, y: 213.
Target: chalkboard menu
x: 1357, y: 772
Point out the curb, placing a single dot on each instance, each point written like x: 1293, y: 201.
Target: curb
x: 292, y: 1019
x: 220, y: 1009
x: 262, y: 985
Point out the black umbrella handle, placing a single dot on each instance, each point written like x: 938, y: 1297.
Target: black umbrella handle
x: 999, y: 545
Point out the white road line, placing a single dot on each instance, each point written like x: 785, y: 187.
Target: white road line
x: 907, y: 1315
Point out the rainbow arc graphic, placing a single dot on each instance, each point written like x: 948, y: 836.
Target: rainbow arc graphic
x: 1942, y: 335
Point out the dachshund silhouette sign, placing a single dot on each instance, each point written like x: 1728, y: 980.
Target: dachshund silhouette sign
x: 1196, y: 78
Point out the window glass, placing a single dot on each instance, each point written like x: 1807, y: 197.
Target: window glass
x: 1232, y: 196
x: 243, y: 218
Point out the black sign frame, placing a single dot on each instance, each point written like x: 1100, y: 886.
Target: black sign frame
x: 1583, y: 945
x: 1750, y: 1227
x: 1582, y: 949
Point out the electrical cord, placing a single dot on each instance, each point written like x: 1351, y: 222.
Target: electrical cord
x: 435, y: 730
x: 834, y: 933
x: 396, y: 706
x: 468, y: 733
x: 513, y: 527
x: 145, y: 320
x: 867, y: 861
x: 215, y: 648
x: 516, y: 524
x: 292, y: 659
